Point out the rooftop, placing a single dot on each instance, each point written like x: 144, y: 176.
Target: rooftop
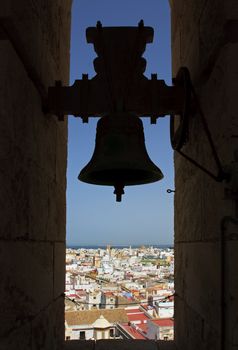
x: 74, y: 318
x: 139, y: 316
x: 133, y: 332
x: 163, y: 322
x: 101, y: 322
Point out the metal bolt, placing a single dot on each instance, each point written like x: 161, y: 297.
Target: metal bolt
x: 170, y: 191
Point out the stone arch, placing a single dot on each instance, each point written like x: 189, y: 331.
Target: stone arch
x: 33, y: 174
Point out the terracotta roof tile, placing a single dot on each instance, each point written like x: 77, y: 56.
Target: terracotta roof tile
x: 140, y: 317
x: 133, y: 332
x: 90, y: 316
x: 164, y: 322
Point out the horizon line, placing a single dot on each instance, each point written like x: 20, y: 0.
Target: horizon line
x: 118, y: 245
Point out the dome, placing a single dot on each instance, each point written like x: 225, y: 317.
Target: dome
x: 101, y: 322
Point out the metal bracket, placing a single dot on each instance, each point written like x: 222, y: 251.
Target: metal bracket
x: 231, y: 192
x: 179, y: 137
x: 119, y: 80
x: 179, y: 133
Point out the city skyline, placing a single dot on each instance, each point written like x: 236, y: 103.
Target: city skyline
x: 126, y: 288
x: 118, y: 246
x: 145, y: 215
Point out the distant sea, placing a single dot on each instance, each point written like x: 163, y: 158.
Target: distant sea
x: 162, y: 246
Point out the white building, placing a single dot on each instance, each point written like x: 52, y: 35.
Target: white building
x: 94, y: 324
x: 108, y: 300
x: 102, y: 329
x: 93, y: 299
x: 164, y: 309
x: 160, y: 329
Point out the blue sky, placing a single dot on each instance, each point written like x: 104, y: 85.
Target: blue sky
x: 145, y: 215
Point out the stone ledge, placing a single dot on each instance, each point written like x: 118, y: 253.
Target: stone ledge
x: 166, y: 345
x: 126, y: 344
x: 79, y: 345
x: 119, y: 345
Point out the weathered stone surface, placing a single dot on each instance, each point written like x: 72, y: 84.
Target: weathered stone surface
x: 191, y: 211
x: 211, y: 21
x: 198, y: 265
x: 230, y: 9
x: 48, y: 327
x: 126, y: 344
x: 33, y: 154
x: 204, y: 38
x: 56, y: 225
x: 20, y: 338
x: 231, y: 287
x: 61, y: 153
x: 166, y: 345
x: 196, y: 333
x: 176, y: 61
x: 59, y: 269
x: 26, y: 282
x: 79, y: 345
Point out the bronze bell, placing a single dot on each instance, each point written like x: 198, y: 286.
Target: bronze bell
x: 120, y: 157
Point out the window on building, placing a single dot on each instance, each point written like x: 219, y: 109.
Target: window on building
x: 82, y: 335
x: 111, y: 333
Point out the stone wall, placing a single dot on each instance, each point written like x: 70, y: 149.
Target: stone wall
x: 205, y: 39
x: 33, y: 155
x: 119, y: 344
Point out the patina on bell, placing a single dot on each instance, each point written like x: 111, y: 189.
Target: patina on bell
x: 120, y: 157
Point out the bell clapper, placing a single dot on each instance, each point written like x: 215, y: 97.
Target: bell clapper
x: 119, y: 191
